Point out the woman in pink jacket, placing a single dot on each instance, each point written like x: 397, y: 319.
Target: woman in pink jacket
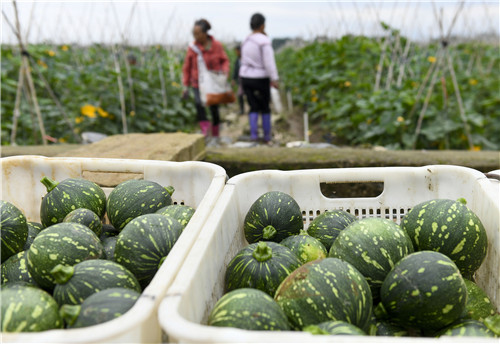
x: 215, y: 59
x: 258, y: 74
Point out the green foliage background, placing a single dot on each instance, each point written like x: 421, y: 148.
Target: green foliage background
x: 334, y: 80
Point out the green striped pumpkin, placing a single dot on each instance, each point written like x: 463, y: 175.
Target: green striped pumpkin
x: 68, y: 195
x: 248, y: 309
x: 76, y: 283
x: 327, y: 226
x: 182, y: 213
x: 15, y: 269
x: 13, y: 228
x: 335, y: 328
x: 133, y: 198
x: 109, y: 245
x: 108, y: 231
x: 144, y: 243
x: 85, y: 217
x: 323, y: 290
x: 63, y: 243
x: 466, y: 328
x: 34, y: 228
x: 424, y: 290
x: 449, y: 227
x: 28, y: 309
x: 262, y: 265
x: 274, y: 216
x: 100, y: 307
x: 479, y: 305
x: 305, y: 247
x: 373, y: 246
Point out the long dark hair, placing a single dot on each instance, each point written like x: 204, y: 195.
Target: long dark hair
x: 203, y: 24
x: 256, y: 21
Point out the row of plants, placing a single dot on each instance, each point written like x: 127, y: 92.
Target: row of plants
x: 345, y: 85
x: 336, y: 82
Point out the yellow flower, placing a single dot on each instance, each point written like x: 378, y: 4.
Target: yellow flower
x: 132, y: 113
x: 472, y: 82
x: 431, y: 59
x: 314, y: 99
x: 347, y: 84
x: 78, y: 120
x: 369, y: 121
x: 476, y: 148
x: 313, y: 92
x: 174, y: 84
x: 64, y: 48
x: 400, y: 119
x: 51, y: 53
x: 88, y: 110
x: 41, y: 63
x: 63, y: 140
x: 102, y: 113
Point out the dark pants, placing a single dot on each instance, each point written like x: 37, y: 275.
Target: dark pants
x: 258, y: 93
x: 201, y: 114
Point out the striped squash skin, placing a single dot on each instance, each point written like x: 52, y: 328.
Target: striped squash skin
x: 34, y: 228
x: 424, y: 290
x: 13, y: 228
x: 85, y: 217
x: 63, y: 243
x: 327, y: 226
x: 245, y: 271
x: 104, y: 306
x: 479, y: 305
x: 449, y: 227
x: 182, y: 213
x: 276, y: 209
x: 467, y: 328
x: 305, y: 247
x: 71, y: 194
x: 133, y: 198
x: 92, y: 276
x: 373, y: 246
x: 335, y: 327
x: 28, y: 309
x: 248, y: 309
x: 15, y: 269
x: 144, y: 243
x: 323, y: 290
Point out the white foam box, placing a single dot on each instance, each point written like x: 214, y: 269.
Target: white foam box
x: 197, y: 184
x: 199, y: 284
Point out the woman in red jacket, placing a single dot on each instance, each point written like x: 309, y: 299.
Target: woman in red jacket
x: 215, y: 59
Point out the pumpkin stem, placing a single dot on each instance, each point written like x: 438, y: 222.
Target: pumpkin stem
x: 49, y: 183
x: 170, y: 189
x: 303, y: 232
x: 269, y: 232
x: 62, y: 273
x: 315, y: 329
x: 161, y: 261
x: 70, y: 313
x: 262, y: 252
x: 462, y: 200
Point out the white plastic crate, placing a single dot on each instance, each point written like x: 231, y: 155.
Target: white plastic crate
x: 199, y: 284
x: 197, y: 184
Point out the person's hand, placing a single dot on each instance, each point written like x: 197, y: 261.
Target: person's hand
x: 275, y: 84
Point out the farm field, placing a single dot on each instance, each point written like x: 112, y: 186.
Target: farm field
x: 358, y: 92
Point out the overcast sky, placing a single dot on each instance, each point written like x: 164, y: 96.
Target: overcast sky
x: 167, y: 22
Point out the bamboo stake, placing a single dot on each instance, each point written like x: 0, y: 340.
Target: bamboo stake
x: 120, y: 89
x: 395, y: 49
x: 17, y: 105
x: 426, y: 102
x: 403, y: 64
x: 460, y: 103
x: 380, y: 66
x: 27, y: 70
x: 162, y: 84
x: 130, y: 81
